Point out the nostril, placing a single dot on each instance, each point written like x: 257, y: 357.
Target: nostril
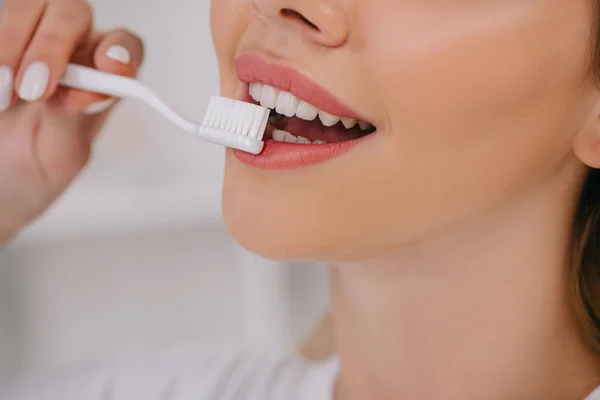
x: 292, y: 14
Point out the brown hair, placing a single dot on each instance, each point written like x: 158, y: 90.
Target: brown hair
x: 585, y: 271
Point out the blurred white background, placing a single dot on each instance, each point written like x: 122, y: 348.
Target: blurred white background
x: 135, y: 258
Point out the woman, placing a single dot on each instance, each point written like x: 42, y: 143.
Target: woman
x: 460, y: 217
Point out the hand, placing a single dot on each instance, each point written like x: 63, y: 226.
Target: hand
x: 46, y: 131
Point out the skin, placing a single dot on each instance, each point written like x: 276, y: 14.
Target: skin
x: 449, y: 231
x: 522, y: 69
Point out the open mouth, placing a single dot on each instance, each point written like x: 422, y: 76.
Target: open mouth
x: 296, y: 121
x: 308, y: 125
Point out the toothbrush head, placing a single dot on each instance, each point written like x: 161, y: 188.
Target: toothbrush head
x: 235, y: 124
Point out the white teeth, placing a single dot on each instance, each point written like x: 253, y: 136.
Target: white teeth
x: 349, y: 123
x: 256, y: 91
x: 306, y: 111
x: 290, y: 138
x: 364, y: 126
x: 328, y: 119
x: 287, y: 104
x: 268, y: 97
x: 279, y: 136
x: 283, y: 136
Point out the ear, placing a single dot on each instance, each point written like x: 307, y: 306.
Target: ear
x: 586, y: 142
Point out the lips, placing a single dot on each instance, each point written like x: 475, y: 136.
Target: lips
x: 338, y: 123
x: 254, y: 68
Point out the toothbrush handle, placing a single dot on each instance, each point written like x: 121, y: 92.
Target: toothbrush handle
x: 80, y: 77
x: 92, y: 80
x: 84, y: 78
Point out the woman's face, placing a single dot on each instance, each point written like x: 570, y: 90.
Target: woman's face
x: 474, y: 101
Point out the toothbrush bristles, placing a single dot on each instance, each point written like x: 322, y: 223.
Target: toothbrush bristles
x: 234, y: 123
x: 237, y: 117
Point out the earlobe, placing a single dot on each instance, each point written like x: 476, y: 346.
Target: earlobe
x: 586, y: 142
x: 588, y: 151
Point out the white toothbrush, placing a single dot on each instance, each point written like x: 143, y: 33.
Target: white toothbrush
x: 227, y: 122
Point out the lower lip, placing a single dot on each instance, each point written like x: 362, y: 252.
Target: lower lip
x: 281, y: 155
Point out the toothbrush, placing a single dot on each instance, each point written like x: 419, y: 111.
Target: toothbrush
x: 227, y: 122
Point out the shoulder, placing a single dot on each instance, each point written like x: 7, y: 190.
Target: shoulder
x: 174, y: 377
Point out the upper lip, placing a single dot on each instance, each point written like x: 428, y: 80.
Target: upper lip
x: 253, y: 67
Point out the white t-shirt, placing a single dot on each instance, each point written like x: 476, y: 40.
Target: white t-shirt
x: 241, y: 377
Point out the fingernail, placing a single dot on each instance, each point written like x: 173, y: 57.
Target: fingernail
x: 6, y: 87
x: 98, y: 107
x: 35, y: 81
x: 119, y: 53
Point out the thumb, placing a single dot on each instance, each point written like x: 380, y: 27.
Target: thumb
x: 118, y: 52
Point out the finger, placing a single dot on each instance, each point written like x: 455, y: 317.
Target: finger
x: 18, y: 21
x: 84, y: 54
x: 73, y: 100
x: 120, y: 52
x: 65, y: 24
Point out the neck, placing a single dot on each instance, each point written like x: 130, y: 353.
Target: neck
x: 481, y: 312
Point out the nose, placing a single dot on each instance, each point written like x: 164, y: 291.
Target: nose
x: 323, y: 22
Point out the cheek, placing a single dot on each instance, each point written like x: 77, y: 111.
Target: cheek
x: 489, y: 90
x: 229, y: 20
x: 484, y: 67
x: 477, y: 110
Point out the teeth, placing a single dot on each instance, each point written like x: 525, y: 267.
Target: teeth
x: 364, y: 126
x: 283, y: 136
x: 287, y: 104
x: 349, y: 123
x: 279, y: 136
x: 328, y: 119
x: 268, y: 97
x: 306, y: 111
x: 290, y: 138
x: 256, y: 91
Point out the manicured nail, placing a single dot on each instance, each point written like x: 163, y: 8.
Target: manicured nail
x: 6, y: 87
x: 98, y: 107
x: 119, y: 53
x: 35, y: 81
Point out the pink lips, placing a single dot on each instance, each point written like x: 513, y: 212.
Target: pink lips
x: 254, y: 68
x: 278, y: 155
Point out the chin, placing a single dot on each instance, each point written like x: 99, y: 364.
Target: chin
x: 282, y: 219
x: 273, y: 239
x: 272, y: 232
